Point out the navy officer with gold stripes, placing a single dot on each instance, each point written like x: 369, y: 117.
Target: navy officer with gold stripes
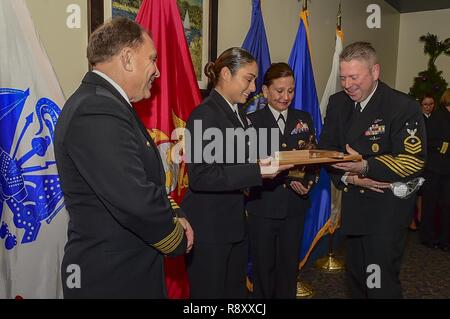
x: 386, y: 127
x: 122, y: 221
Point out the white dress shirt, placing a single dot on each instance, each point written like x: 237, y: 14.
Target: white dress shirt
x: 276, y: 115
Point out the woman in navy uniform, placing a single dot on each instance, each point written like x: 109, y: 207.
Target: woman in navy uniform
x: 276, y: 210
x: 436, y: 190
x: 215, y: 199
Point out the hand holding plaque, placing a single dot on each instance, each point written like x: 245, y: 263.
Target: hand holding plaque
x: 306, y: 175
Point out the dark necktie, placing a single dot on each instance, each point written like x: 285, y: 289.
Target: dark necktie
x: 357, y: 109
x: 239, y: 118
x: 281, y: 123
x: 356, y: 113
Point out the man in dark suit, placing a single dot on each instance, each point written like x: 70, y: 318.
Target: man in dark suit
x: 386, y: 127
x: 122, y: 221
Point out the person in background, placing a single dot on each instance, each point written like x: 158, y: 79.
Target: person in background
x: 214, y: 202
x: 436, y: 190
x: 277, y: 209
x: 427, y: 104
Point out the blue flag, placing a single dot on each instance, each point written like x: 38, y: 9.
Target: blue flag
x: 256, y: 43
x: 305, y: 99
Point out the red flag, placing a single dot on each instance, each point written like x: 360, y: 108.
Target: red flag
x: 174, y: 96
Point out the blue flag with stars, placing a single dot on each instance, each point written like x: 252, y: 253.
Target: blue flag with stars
x: 305, y: 99
x: 256, y: 43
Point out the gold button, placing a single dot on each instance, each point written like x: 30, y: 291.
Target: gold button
x: 294, y: 149
x: 284, y: 145
x: 346, y: 189
x: 361, y: 191
x: 284, y: 186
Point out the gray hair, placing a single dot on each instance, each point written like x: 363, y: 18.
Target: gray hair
x: 363, y: 51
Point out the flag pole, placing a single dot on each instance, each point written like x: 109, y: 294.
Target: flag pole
x: 304, y: 290
x: 339, y: 18
x: 330, y: 263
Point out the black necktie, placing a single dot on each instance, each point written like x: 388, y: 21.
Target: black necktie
x: 239, y: 118
x: 281, y: 123
x: 358, y: 108
x: 356, y: 112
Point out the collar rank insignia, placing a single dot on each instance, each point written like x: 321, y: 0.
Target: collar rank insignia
x: 412, y: 143
x: 301, y: 127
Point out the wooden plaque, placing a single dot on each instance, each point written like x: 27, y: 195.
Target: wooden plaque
x: 309, y: 157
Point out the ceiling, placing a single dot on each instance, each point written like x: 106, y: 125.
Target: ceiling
x: 404, y: 6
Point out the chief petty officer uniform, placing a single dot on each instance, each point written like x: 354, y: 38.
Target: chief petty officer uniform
x: 276, y: 212
x: 389, y: 133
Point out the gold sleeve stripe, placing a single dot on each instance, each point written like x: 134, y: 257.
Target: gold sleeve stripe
x: 403, y: 165
x: 399, y: 165
x: 171, y: 242
x: 414, y: 167
x: 411, y: 168
x: 170, y: 247
x: 411, y: 158
x: 408, y: 162
x: 168, y: 238
x: 444, y: 147
x: 391, y: 167
x: 409, y: 165
x: 173, y: 203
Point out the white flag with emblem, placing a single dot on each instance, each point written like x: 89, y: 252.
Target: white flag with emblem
x: 33, y: 221
x: 333, y: 86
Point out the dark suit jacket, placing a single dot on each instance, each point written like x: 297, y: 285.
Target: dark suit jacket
x: 438, y: 137
x: 390, y: 135
x: 275, y: 199
x: 214, y: 202
x: 121, y: 220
